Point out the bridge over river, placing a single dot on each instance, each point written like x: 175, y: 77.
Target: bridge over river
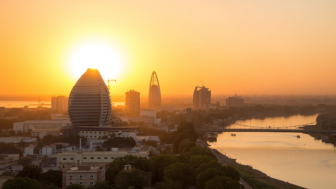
x: 267, y: 130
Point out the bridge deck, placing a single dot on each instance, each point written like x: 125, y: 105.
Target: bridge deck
x: 267, y: 130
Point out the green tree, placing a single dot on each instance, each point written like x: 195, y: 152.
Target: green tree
x: 117, y: 165
x: 135, y: 178
x: 157, y: 165
x: 102, y: 185
x: 206, y: 165
x: 231, y: 172
x: 183, y: 173
x: 222, y: 182
x: 98, y: 148
x: 25, y: 161
x: 75, y: 186
x: 31, y: 171
x: 207, y: 175
x: 52, y: 177
x: 21, y: 182
x: 197, y: 160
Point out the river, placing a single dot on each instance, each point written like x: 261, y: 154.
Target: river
x: 302, y: 161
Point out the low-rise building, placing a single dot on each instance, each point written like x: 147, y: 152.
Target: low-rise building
x: 9, y: 157
x: 32, y: 124
x: 43, y: 131
x: 85, y: 175
x: 69, y: 159
x: 16, y: 140
x: 29, y: 150
x: 55, y: 148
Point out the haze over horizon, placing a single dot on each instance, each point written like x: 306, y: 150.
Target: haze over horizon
x: 251, y: 47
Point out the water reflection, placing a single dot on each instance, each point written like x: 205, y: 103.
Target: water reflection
x: 302, y: 161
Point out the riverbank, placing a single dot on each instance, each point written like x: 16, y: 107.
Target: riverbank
x: 326, y: 138
x: 255, y: 178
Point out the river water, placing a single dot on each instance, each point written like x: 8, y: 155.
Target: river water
x: 302, y: 161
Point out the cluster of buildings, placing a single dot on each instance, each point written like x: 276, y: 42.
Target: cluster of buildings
x: 202, y: 99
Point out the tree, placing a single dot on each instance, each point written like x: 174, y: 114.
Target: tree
x: 208, y: 174
x: 52, y: 177
x: 117, y: 165
x: 102, y: 185
x: 135, y: 178
x: 180, y: 172
x: 75, y: 186
x: 231, y: 172
x: 98, y: 148
x: 20, y: 182
x: 31, y: 171
x: 157, y: 166
x: 25, y: 161
x: 197, y: 160
x: 150, y: 142
x: 222, y: 182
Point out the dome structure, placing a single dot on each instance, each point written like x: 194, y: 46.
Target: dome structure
x: 154, y: 96
x: 89, y: 101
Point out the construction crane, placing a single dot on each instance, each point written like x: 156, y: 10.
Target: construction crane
x: 108, y: 83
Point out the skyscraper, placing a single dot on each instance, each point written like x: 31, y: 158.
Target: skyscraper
x: 202, y: 98
x: 132, y: 101
x: 89, y: 101
x: 154, y: 96
x: 59, y: 103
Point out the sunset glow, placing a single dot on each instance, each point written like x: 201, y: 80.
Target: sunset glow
x: 95, y: 55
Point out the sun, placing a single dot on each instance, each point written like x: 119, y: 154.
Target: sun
x: 101, y: 56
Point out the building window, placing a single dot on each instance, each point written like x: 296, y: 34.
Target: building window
x: 91, y: 183
x: 80, y: 176
x: 91, y: 176
x: 112, y: 157
x: 81, y: 183
x: 84, y: 157
x: 98, y: 157
x: 92, y: 157
x: 70, y: 183
x: 70, y: 177
x: 105, y: 157
x: 71, y: 158
x: 64, y: 158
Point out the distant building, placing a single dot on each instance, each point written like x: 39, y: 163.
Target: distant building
x: 132, y: 101
x: 202, y: 98
x: 234, y: 101
x: 69, y: 159
x: 89, y: 101
x: 85, y: 175
x: 154, y: 96
x: 59, y: 103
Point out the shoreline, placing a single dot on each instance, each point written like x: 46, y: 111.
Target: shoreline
x: 325, y: 138
x: 253, y: 177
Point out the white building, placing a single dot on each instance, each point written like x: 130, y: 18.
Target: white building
x: 55, y: 148
x: 70, y: 159
x: 16, y: 140
x: 29, y: 150
x: 32, y: 124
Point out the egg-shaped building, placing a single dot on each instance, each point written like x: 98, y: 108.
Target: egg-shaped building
x: 89, y: 101
x: 154, y: 96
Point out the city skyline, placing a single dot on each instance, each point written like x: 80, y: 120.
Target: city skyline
x: 250, y: 47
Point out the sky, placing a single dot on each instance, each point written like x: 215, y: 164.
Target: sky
x: 276, y: 47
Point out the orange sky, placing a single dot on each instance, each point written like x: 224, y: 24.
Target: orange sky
x: 247, y: 46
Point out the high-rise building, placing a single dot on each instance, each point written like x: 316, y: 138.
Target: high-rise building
x: 202, y: 98
x: 89, y: 101
x: 154, y: 96
x: 132, y: 101
x: 59, y: 103
x: 234, y: 101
